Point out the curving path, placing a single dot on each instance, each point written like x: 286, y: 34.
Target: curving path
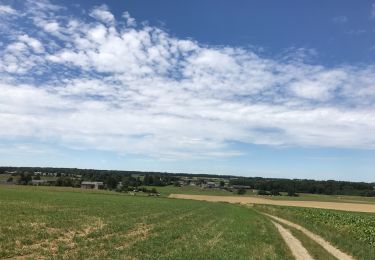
x: 318, y: 239
x: 295, y: 246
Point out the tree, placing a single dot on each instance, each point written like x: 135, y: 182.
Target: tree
x: 148, y: 180
x: 65, y: 182
x: 292, y: 193
x: 111, y: 182
x: 263, y: 192
x: 222, y: 184
x: 10, y: 179
x: 25, y: 179
x: 241, y: 191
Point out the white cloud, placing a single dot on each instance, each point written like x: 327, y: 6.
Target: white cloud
x: 140, y: 90
x: 319, y: 86
x: 372, y: 13
x: 102, y: 14
x: 6, y: 9
x: 35, y: 44
x: 51, y: 27
x: 130, y: 21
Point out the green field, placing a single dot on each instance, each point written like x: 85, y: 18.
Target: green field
x: 5, y: 177
x: 351, y: 231
x: 74, y: 224
x: 195, y: 190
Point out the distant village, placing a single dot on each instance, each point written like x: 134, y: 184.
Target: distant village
x: 39, y: 178
x: 137, y: 181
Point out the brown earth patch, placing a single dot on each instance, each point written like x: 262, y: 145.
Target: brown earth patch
x: 254, y: 200
x: 295, y: 246
x: 216, y: 239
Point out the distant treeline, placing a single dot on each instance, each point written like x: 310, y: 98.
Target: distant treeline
x: 72, y: 177
x: 111, y: 178
x: 94, y: 172
x: 329, y: 187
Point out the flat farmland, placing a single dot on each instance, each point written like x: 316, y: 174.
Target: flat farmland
x: 358, y: 207
x: 196, y: 190
x: 49, y: 223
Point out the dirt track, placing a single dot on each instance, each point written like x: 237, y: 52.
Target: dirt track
x: 253, y: 200
x: 318, y: 239
x: 295, y: 246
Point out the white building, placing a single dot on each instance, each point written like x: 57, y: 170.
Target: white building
x: 92, y: 185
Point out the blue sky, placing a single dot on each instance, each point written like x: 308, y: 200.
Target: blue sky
x: 252, y: 88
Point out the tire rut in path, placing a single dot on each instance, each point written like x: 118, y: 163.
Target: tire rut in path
x: 318, y: 239
x: 295, y: 246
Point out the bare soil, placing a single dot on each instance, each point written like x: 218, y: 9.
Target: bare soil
x: 295, y: 246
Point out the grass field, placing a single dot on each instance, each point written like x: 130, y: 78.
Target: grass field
x: 351, y: 231
x: 70, y: 223
x: 195, y: 190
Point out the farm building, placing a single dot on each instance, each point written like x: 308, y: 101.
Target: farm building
x: 210, y: 184
x: 92, y: 185
x: 241, y: 187
x: 39, y: 182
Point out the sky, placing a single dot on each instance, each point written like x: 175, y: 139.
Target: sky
x: 282, y: 89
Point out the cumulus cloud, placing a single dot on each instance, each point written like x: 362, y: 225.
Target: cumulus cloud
x: 112, y: 86
x: 102, y: 14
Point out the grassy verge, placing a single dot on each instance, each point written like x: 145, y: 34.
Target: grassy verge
x: 352, y: 232
x: 71, y: 224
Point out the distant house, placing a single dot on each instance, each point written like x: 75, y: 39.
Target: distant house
x: 241, y: 187
x: 210, y: 184
x: 92, y: 185
x: 39, y: 182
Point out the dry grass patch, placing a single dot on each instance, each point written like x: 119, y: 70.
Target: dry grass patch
x: 139, y: 233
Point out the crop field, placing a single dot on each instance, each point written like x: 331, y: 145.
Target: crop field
x: 38, y: 222
x: 195, y: 190
x: 354, y: 232
x: 358, y: 207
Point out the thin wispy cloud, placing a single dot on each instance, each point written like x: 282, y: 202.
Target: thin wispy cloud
x: 372, y: 12
x: 105, y: 83
x: 340, y: 19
